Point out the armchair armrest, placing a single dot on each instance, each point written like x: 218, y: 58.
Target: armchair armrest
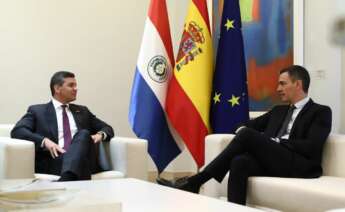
x: 17, y: 158
x: 214, y: 144
x: 129, y: 156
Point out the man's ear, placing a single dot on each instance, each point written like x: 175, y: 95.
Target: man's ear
x: 299, y: 84
x: 57, y: 88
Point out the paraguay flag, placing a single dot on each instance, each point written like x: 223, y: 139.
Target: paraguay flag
x: 153, y: 72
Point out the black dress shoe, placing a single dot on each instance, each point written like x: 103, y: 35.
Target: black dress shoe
x: 180, y: 183
x: 67, y: 176
x: 185, y: 184
x: 165, y: 182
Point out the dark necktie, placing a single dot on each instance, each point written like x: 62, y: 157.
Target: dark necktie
x: 285, y: 124
x: 67, y: 136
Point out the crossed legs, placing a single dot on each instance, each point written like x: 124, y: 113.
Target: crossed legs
x: 250, y: 153
x: 77, y: 161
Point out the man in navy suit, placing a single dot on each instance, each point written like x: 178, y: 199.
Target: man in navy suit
x: 66, y: 136
x: 287, y: 141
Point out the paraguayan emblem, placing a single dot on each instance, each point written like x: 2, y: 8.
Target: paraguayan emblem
x: 158, y: 69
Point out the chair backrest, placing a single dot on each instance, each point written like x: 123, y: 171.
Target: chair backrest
x: 333, y: 159
x: 255, y: 114
x: 5, y: 130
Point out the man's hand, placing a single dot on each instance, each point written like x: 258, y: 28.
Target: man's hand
x: 97, y: 138
x: 53, y: 148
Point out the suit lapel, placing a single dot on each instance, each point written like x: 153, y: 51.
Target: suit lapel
x: 52, y: 120
x: 280, y: 119
x: 76, y: 115
x: 300, y: 114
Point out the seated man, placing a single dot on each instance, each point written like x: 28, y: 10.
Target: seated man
x: 287, y: 141
x: 65, y: 135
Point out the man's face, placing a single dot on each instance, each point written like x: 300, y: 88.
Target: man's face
x: 287, y: 88
x: 67, y: 92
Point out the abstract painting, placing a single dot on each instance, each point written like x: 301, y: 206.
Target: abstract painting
x: 267, y: 27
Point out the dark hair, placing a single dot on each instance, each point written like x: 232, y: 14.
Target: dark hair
x: 58, y: 79
x: 297, y: 72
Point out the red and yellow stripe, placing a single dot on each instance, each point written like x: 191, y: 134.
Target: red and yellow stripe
x: 189, y: 93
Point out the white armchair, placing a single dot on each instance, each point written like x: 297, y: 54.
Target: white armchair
x: 17, y: 158
x: 289, y: 194
x: 127, y: 156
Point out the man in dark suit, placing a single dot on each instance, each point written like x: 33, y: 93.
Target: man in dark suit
x: 287, y: 141
x: 66, y: 136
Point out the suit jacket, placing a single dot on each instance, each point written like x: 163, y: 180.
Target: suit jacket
x: 40, y: 121
x: 307, y: 136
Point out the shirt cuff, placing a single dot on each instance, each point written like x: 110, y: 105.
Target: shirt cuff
x: 276, y: 140
x: 42, y: 143
x: 104, y: 135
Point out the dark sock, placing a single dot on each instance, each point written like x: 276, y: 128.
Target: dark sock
x: 200, y: 178
x: 68, y: 176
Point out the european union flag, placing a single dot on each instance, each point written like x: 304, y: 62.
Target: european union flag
x: 229, y: 105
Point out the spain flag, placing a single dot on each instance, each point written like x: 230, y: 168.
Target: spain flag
x: 189, y: 92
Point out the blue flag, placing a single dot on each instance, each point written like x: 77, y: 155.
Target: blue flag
x: 229, y: 106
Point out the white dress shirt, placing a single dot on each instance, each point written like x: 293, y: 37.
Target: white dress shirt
x: 299, y: 106
x: 72, y: 124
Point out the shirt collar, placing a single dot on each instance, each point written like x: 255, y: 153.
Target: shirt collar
x: 300, y: 104
x: 57, y: 104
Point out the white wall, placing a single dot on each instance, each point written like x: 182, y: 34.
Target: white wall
x: 98, y: 40
x: 340, y: 12
x: 322, y: 58
x: 342, y: 104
